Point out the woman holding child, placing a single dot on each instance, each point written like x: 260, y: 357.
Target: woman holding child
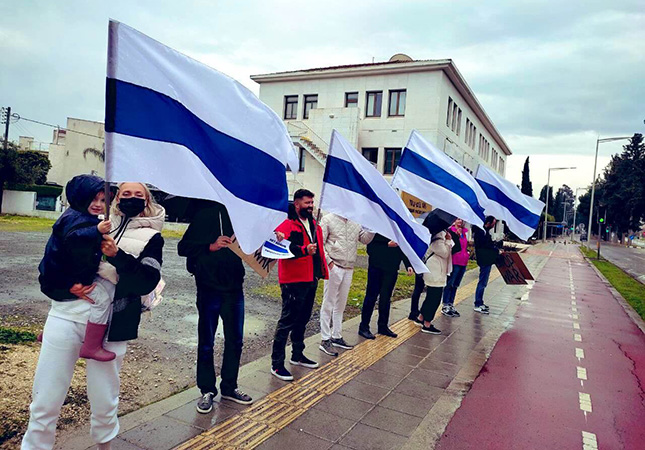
x: 129, y: 269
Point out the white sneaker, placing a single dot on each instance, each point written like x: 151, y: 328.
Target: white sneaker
x: 483, y: 309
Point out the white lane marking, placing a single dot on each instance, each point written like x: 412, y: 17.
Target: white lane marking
x: 574, y: 309
x: 582, y: 373
x: 574, y: 316
x: 576, y: 326
x: 573, y: 302
x: 585, y: 402
x: 589, y: 441
x: 577, y: 337
x: 580, y: 353
x: 573, y: 297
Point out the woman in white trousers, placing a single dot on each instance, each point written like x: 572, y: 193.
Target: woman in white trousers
x: 135, y: 256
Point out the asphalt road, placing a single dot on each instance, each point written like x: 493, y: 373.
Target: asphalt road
x: 631, y: 260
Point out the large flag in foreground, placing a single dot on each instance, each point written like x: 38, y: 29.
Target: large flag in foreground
x: 428, y: 173
x: 354, y: 189
x: 520, y: 212
x: 192, y: 131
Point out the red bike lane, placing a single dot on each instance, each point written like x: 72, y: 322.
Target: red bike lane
x: 568, y: 374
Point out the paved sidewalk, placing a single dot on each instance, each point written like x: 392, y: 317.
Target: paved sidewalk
x: 404, y: 392
x: 569, y: 374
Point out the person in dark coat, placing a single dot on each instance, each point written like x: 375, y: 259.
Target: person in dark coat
x: 72, y: 258
x: 385, y: 257
x: 486, y: 252
x: 219, y: 276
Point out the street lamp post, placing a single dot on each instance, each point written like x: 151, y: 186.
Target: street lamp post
x: 593, y: 183
x: 548, y: 185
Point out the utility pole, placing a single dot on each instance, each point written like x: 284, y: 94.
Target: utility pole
x: 6, y: 127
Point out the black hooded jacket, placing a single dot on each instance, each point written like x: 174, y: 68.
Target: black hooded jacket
x: 73, y: 252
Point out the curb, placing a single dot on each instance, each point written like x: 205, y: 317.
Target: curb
x: 636, y: 318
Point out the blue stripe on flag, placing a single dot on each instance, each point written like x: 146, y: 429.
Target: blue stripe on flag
x: 343, y: 174
x: 418, y: 165
x: 522, y: 214
x: 276, y: 248
x: 247, y: 172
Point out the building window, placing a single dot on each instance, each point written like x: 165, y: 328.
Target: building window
x: 290, y: 106
x: 458, y: 123
x: 449, y: 113
x: 392, y: 158
x: 373, y: 105
x: 301, y: 158
x: 311, y: 102
x: 351, y: 99
x: 500, y: 168
x: 467, y: 134
x: 371, y: 154
x: 397, y: 103
x: 472, y: 136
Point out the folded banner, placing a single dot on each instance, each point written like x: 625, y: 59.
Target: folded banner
x: 520, y: 212
x: 273, y: 249
x: 354, y: 189
x: 429, y: 174
x: 194, y: 132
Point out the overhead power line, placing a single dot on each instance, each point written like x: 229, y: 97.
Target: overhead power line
x: 59, y: 127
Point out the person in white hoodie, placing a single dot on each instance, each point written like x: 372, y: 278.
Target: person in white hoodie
x: 439, y: 264
x: 133, y: 252
x: 340, y: 238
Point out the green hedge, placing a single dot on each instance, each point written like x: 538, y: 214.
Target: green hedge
x: 45, y: 190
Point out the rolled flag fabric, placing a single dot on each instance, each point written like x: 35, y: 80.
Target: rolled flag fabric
x: 354, y: 189
x: 429, y: 174
x: 520, y: 212
x: 192, y: 131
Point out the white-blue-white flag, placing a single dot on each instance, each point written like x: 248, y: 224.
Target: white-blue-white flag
x: 354, y: 189
x: 520, y: 212
x: 192, y: 131
x: 429, y: 174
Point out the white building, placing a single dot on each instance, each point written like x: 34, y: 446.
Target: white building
x: 376, y: 106
x: 78, y: 149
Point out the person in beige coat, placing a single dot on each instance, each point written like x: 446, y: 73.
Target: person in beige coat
x: 340, y: 238
x: 439, y: 264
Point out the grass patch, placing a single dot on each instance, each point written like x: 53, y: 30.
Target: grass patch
x: 24, y: 223
x: 628, y: 287
x: 15, y: 336
x: 175, y: 234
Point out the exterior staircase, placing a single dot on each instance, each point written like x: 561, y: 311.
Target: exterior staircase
x: 303, y: 136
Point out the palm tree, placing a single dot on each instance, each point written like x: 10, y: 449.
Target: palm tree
x: 92, y: 151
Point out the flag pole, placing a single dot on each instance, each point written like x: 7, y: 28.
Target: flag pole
x: 322, y: 190
x: 109, y: 110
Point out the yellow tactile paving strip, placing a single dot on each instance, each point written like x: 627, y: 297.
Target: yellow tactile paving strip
x: 254, y: 425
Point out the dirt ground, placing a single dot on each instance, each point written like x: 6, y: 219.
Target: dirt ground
x: 158, y: 364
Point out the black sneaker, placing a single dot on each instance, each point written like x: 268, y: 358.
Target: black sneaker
x: 413, y: 316
x: 340, y: 343
x: 483, y: 309
x: 205, y: 403
x: 282, y: 373
x: 304, y: 362
x: 455, y: 313
x: 431, y: 329
x: 387, y: 332
x: 418, y: 322
x: 446, y: 311
x: 238, y: 396
x: 326, y: 347
x: 366, y: 333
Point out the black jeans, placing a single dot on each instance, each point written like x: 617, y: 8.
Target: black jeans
x: 212, y: 305
x: 297, y: 304
x: 380, y: 283
x: 431, y: 303
x: 416, y: 295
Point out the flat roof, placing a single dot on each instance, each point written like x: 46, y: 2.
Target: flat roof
x: 392, y: 67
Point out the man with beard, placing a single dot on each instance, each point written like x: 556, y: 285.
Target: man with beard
x: 298, y: 278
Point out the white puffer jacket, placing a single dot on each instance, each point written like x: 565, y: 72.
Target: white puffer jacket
x: 341, y: 238
x: 440, y: 262
x: 138, y: 231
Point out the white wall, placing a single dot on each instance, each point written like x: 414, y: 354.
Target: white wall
x: 18, y: 202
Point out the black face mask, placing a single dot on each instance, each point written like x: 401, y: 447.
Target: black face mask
x: 132, y: 206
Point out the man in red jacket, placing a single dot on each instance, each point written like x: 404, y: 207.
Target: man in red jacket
x: 298, y: 281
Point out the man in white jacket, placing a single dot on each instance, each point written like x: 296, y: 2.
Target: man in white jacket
x: 340, y: 238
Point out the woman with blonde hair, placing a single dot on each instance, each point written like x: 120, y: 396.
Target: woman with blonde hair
x: 133, y: 257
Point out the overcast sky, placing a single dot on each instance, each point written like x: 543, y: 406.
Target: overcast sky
x: 552, y: 75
